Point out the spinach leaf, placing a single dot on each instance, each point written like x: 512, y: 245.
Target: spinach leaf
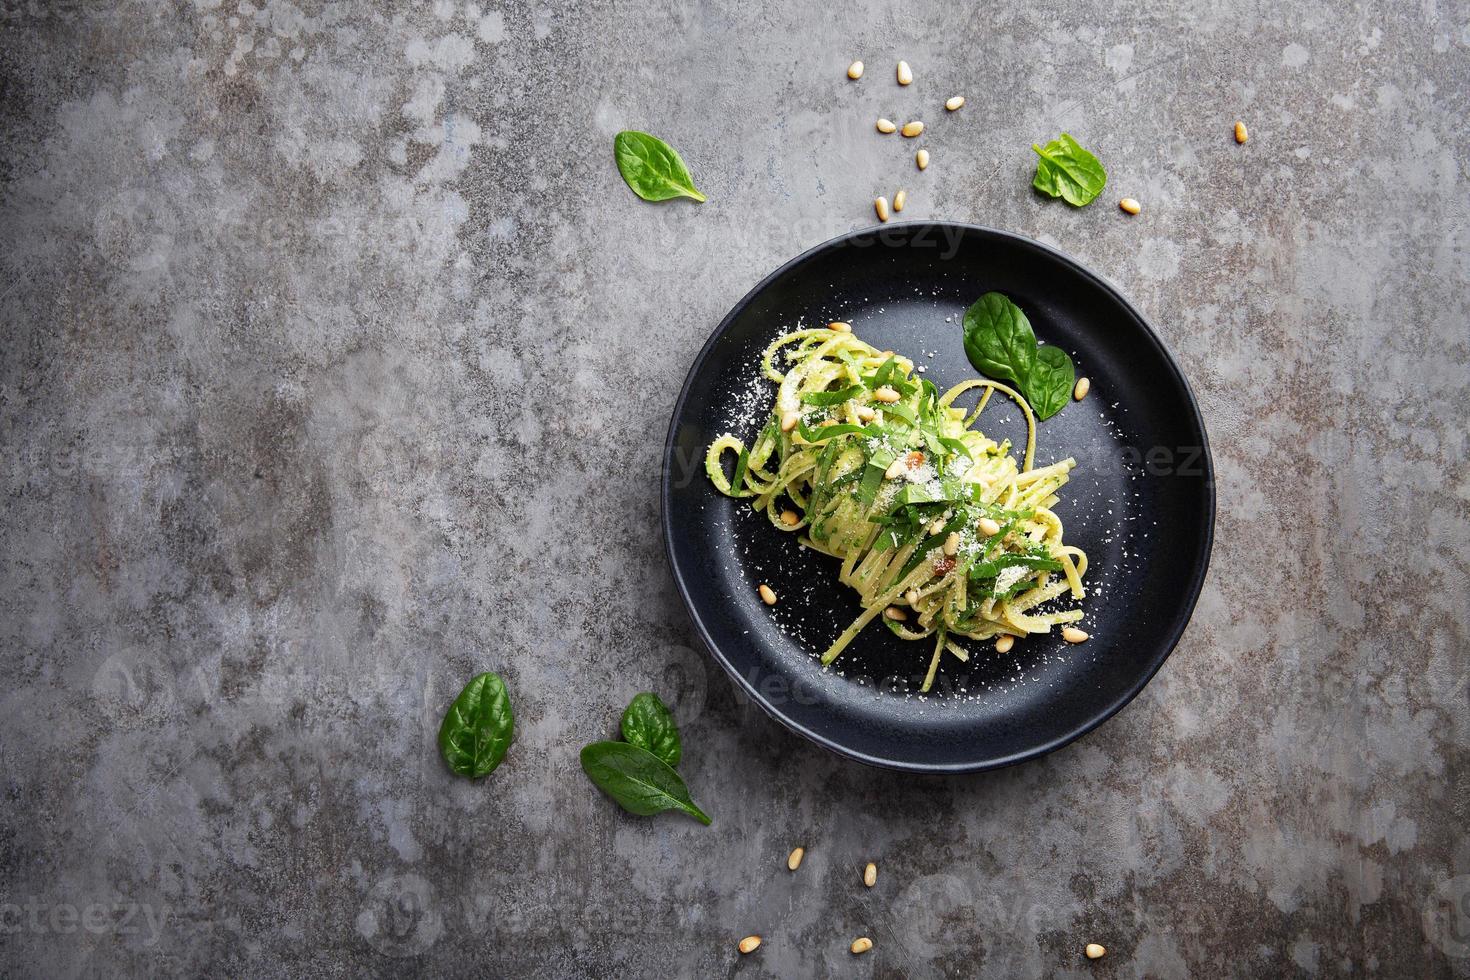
x: 637, y: 780
x: 742, y: 465
x: 477, y: 728
x: 648, y: 724
x: 832, y: 397
x: 1001, y: 344
x: 652, y: 168
x: 1049, y: 385
x: 828, y: 430
x: 1068, y: 171
x: 999, y: 338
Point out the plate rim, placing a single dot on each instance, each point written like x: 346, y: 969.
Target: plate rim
x: 1195, y: 585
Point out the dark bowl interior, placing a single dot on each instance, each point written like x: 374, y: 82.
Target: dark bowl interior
x: 1140, y: 502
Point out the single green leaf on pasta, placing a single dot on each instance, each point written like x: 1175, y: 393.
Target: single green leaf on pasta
x: 637, y: 780
x: 652, y: 168
x: 999, y: 338
x: 1049, y: 385
x: 478, y: 727
x: 1068, y: 171
x: 648, y: 724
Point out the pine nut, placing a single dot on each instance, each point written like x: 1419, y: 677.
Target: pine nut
x: 1094, y: 951
x: 895, y: 469
x: 840, y: 327
x: 912, y: 129
x: 861, y: 945
x: 789, y: 420
x: 793, y: 861
x: 866, y: 414
x: 900, y: 199
x: 855, y: 70
x: 911, y: 597
x: 870, y: 874
x: 1004, y: 642
x: 1130, y: 205
x: 767, y: 595
x: 952, y: 543
x: 886, y: 126
x: 937, y: 526
x: 954, y: 103
x: 886, y: 394
x: 750, y: 944
x: 1073, y: 635
x: 1240, y: 132
x: 895, y: 613
x: 1083, y: 387
x: 988, y: 527
x: 922, y: 159
x: 880, y: 204
x: 905, y: 73
x: 790, y: 518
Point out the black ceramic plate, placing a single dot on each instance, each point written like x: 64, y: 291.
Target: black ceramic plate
x: 1141, y: 502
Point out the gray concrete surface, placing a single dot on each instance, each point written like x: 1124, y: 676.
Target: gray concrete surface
x: 335, y: 352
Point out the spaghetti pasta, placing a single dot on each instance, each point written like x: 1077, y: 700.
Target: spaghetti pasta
x: 931, y: 518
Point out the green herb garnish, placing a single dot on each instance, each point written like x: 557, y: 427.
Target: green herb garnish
x: 639, y: 773
x: 637, y: 780
x: 1068, y: 171
x: 652, y: 168
x: 1000, y: 343
x: 832, y: 397
x: 648, y: 724
x: 478, y: 727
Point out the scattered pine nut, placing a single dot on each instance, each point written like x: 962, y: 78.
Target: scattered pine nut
x: 1004, y: 642
x: 793, y: 861
x: 750, y: 944
x: 988, y: 527
x: 900, y: 199
x: 855, y: 70
x: 935, y: 527
x: 884, y: 393
x: 861, y: 945
x: 911, y: 597
x: 912, y: 129
x: 790, y: 518
x: 905, y: 73
x: 922, y: 159
x: 880, y: 204
x: 895, y: 613
x: 768, y: 596
x: 1094, y: 951
x: 789, y: 420
x: 1083, y: 387
x: 886, y: 126
x: 1240, y: 132
x: 954, y: 103
x: 840, y: 327
x: 1130, y: 205
x: 895, y: 469
x: 870, y: 874
x: 866, y: 413
x: 1073, y: 635
x: 952, y: 543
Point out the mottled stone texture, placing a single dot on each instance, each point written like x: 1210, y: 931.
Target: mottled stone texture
x: 336, y: 357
